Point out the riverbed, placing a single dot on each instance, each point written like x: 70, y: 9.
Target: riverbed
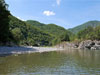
x: 26, y: 49
x: 65, y: 62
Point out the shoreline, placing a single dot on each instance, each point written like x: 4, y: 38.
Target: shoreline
x: 84, y: 45
x: 26, y: 49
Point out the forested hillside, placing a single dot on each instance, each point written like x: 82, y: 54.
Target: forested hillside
x: 49, y: 28
x: 90, y: 33
x: 85, y: 25
x: 27, y: 34
x: 36, y: 33
x: 32, y: 33
x: 60, y: 33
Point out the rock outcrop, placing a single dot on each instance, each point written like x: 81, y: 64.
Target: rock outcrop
x: 83, y: 45
x: 89, y: 44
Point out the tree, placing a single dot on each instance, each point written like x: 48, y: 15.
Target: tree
x: 85, y: 33
x: 16, y: 32
x: 4, y: 22
x: 65, y: 37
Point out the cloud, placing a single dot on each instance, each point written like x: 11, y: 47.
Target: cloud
x: 48, y: 13
x: 58, y: 2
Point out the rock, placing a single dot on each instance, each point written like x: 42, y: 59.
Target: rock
x: 93, y: 48
x: 97, y: 42
x: 91, y: 45
x: 87, y: 47
x: 97, y: 47
x: 86, y: 44
x: 76, y: 46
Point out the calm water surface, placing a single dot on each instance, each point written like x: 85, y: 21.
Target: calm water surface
x: 68, y: 62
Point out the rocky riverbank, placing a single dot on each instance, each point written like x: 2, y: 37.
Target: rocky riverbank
x: 83, y: 45
x: 89, y: 44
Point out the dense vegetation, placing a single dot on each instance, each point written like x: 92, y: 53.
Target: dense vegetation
x: 58, y: 32
x: 15, y: 31
x: 87, y: 31
x: 26, y: 34
x: 90, y: 33
x: 38, y: 34
x: 30, y: 32
x: 76, y: 29
x: 50, y: 28
x: 5, y: 34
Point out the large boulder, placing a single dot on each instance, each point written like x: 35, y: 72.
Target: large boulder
x: 85, y: 44
x: 91, y: 45
x: 97, y: 42
x: 96, y: 46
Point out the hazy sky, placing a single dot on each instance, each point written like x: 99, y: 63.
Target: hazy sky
x: 66, y: 13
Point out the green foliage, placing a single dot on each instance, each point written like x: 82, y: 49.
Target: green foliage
x: 27, y: 34
x: 54, y: 29
x: 59, y: 33
x: 49, y: 28
x: 85, y: 33
x: 89, y: 33
x: 96, y: 33
x: 38, y: 34
x: 56, y: 41
x: 35, y: 23
x: 76, y: 29
x: 4, y: 22
x: 65, y: 37
x: 30, y: 32
x: 16, y: 32
x: 89, y: 30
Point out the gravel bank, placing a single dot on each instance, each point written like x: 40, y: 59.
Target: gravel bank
x: 26, y: 49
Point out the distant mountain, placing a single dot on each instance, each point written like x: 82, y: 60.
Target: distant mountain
x: 85, y: 25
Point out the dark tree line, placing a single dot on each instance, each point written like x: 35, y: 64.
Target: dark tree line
x: 4, y: 22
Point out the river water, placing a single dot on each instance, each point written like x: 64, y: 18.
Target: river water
x: 68, y: 62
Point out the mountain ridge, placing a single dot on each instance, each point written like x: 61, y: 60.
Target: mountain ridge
x: 92, y: 23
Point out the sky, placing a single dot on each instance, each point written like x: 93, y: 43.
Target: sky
x: 65, y: 13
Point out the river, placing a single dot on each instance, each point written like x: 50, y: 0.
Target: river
x: 67, y: 62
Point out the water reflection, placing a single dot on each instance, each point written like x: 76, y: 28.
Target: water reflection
x: 53, y: 63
